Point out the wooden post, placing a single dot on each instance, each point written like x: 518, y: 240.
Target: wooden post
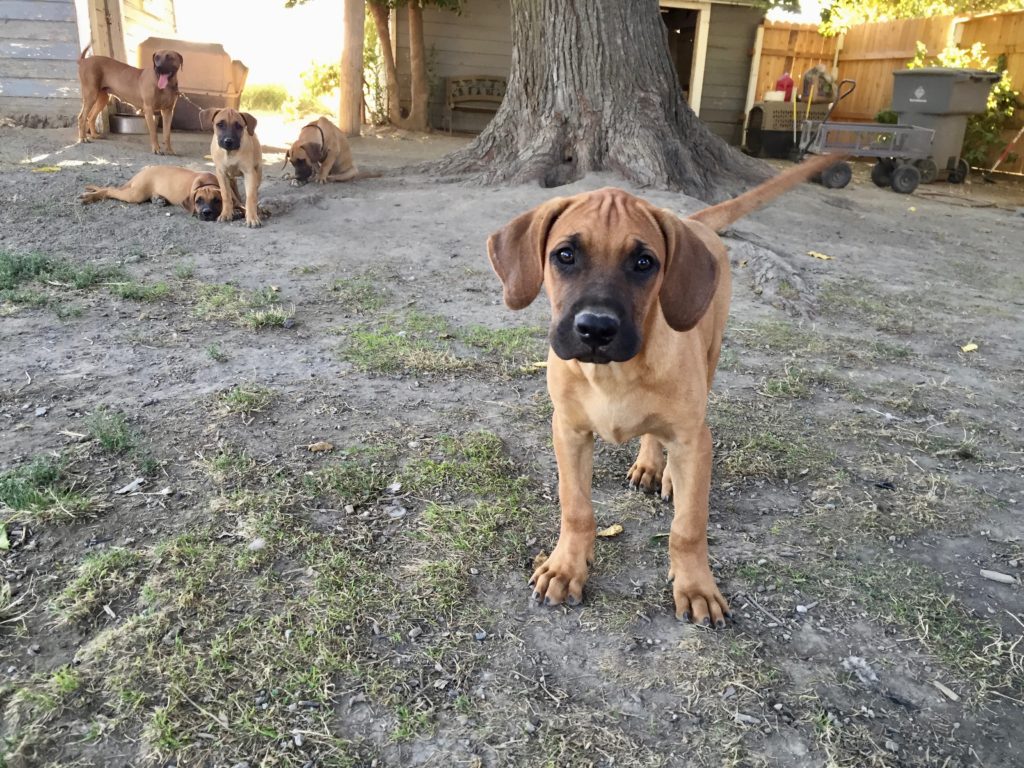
x: 107, y: 34
x: 350, y: 108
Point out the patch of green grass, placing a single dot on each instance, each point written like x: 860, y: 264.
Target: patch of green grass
x: 359, y: 476
x: 246, y: 400
x: 186, y: 270
x: 251, y: 309
x: 515, y: 347
x: 100, y: 578
x: 792, y: 384
x: 44, y: 489
x: 360, y: 295
x: 862, y: 301
x: 271, y: 317
x: 415, y: 344
x: 66, y: 680
x: 753, y: 442
x: 134, y: 291
x: 215, y: 353
x: 20, y: 272
x: 111, y: 430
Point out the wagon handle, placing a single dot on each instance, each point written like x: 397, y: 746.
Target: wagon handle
x: 840, y: 95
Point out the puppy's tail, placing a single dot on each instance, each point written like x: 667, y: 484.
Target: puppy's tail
x: 85, y: 51
x: 366, y: 175
x: 720, y: 216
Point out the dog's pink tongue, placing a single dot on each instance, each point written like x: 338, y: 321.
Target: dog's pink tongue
x: 162, y: 82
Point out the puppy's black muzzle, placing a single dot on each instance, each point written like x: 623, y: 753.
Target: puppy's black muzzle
x: 229, y: 143
x: 595, y: 333
x: 596, y: 329
x: 207, y: 214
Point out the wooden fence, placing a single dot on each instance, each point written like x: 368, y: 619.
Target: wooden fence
x: 870, y: 53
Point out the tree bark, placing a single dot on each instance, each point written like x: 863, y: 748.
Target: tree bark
x: 592, y: 87
x: 351, y: 101
x: 417, y: 120
x: 381, y: 15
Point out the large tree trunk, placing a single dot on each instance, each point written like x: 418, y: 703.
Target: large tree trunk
x: 380, y: 21
x: 417, y: 120
x: 593, y: 88
x: 351, y: 76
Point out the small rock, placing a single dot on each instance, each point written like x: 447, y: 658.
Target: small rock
x: 257, y: 544
x: 297, y: 738
x: 729, y: 692
x: 289, y: 322
x: 415, y: 632
x: 394, y: 488
x: 892, y: 746
x: 480, y: 636
x: 474, y: 572
x: 34, y: 649
x: 349, y: 509
x: 41, y: 410
x: 397, y: 512
x: 242, y: 764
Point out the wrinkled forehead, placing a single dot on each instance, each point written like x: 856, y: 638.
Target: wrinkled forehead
x: 607, y: 221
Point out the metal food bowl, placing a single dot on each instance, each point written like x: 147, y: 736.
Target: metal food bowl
x: 131, y: 124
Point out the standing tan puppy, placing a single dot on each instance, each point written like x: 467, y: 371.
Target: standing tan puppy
x: 639, y: 300
x: 236, y: 152
x: 321, y: 152
x: 154, y: 89
x: 197, y: 192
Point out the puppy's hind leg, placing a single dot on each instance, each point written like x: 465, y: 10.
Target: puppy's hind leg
x: 127, y: 193
x: 648, y: 472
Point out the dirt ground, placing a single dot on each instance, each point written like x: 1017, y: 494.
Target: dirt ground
x: 345, y: 473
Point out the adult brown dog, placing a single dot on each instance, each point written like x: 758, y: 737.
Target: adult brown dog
x: 236, y: 152
x: 154, y: 89
x: 197, y: 192
x: 639, y: 300
x: 321, y: 152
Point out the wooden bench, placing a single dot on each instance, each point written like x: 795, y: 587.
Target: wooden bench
x: 473, y: 93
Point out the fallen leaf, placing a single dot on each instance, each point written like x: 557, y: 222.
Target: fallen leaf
x: 819, y: 255
x: 46, y: 169
x: 969, y: 347
x: 320, y: 447
x: 5, y: 543
x: 743, y: 263
x: 610, y: 532
x: 540, y: 559
x: 1002, y: 578
x: 912, y: 208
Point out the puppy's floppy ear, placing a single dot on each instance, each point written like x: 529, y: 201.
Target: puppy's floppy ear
x: 517, y: 253
x: 208, y: 116
x: 250, y: 122
x: 287, y: 157
x: 691, y: 270
x: 189, y: 203
x: 180, y: 58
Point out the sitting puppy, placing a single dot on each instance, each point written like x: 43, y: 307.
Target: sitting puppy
x: 198, y: 193
x: 236, y: 152
x: 639, y: 300
x: 152, y: 89
x: 321, y: 151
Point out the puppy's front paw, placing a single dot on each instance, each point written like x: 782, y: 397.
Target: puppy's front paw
x: 561, y: 577
x: 696, y: 595
x: 253, y: 221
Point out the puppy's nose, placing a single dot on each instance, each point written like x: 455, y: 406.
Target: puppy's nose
x: 596, y: 329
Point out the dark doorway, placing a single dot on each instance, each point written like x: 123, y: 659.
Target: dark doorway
x: 682, y: 32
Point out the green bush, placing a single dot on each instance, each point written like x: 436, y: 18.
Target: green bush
x: 321, y: 79
x: 887, y: 117
x: 985, y: 131
x: 266, y: 98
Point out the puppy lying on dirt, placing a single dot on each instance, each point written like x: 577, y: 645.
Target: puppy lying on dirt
x: 639, y: 300
x: 197, y: 192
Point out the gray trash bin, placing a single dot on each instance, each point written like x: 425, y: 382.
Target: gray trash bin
x: 941, y: 99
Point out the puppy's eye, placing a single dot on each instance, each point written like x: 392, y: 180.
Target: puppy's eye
x: 220, y: 124
x: 643, y: 263
x: 565, y: 255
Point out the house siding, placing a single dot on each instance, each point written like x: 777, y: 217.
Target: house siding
x: 39, y: 62
x: 476, y: 42
x: 727, y: 68
x: 142, y: 19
